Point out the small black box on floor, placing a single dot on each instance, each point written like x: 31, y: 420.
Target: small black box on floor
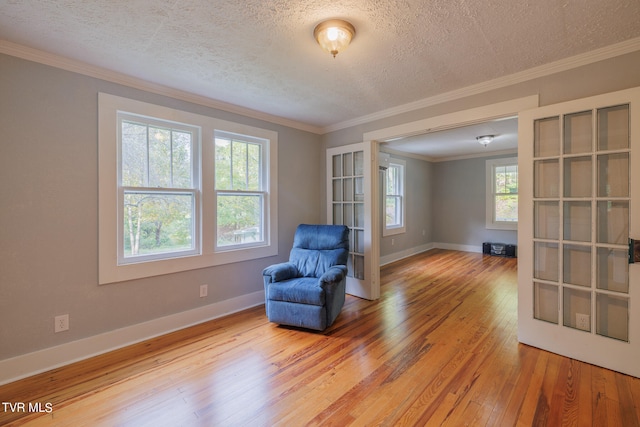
x: 486, y: 248
x: 498, y: 249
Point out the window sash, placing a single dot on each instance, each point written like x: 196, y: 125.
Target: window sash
x: 505, y: 187
x: 249, y: 231
x: 394, y: 198
x: 240, y: 166
x: 163, y: 157
x: 131, y: 230
x: 502, y: 194
x: 393, y: 211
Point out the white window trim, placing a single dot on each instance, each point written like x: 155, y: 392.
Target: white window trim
x: 491, y: 223
x: 393, y: 230
x: 108, y: 269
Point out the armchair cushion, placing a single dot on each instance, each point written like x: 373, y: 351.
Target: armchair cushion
x: 303, y: 290
x: 313, y: 263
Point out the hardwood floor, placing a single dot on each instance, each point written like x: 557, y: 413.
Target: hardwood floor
x: 438, y: 348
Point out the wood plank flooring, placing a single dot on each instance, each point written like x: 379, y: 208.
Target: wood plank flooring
x: 438, y: 348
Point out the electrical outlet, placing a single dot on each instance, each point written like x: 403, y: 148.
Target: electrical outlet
x: 393, y: 242
x: 583, y: 321
x: 61, y: 323
x: 204, y: 291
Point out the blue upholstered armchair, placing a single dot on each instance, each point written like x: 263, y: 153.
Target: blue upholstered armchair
x: 309, y: 290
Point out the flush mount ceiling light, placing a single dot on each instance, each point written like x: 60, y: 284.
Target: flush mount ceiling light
x: 334, y: 35
x: 485, y: 139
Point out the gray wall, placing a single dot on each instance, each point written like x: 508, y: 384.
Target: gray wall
x: 459, y: 204
x: 447, y: 200
x: 419, y: 202
x: 49, y: 213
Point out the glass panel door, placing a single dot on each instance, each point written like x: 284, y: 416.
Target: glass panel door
x: 583, y: 207
x: 349, y: 203
x: 576, y: 284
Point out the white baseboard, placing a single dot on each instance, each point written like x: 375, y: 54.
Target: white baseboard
x: 457, y: 247
x: 54, y: 357
x: 397, y: 256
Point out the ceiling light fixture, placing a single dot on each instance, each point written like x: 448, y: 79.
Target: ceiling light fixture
x: 485, y: 139
x: 334, y: 35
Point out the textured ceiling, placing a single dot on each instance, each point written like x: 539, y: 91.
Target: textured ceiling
x: 261, y: 55
x: 460, y: 142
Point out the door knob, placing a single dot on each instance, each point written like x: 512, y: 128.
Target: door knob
x: 634, y: 251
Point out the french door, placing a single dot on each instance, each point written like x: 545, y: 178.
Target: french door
x: 578, y: 288
x: 350, y: 201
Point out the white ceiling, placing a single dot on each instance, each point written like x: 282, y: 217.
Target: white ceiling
x: 261, y: 55
x: 460, y: 142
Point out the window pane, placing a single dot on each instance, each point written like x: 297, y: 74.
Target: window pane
x: 393, y: 211
x: 506, y: 208
x: 157, y: 223
x: 240, y: 219
x: 239, y: 165
x: 159, y: 157
x: 506, y: 179
x: 182, y: 160
x: 134, y: 154
x: 155, y: 157
x: 223, y: 164
x: 392, y: 173
x: 254, y: 170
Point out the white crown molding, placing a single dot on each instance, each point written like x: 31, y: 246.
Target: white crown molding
x: 431, y: 159
x: 587, y: 58
x: 576, y: 61
x: 80, y: 67
x: 513, y: 151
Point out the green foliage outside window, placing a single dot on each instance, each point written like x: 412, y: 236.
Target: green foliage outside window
x: 240, y: 199
x: 506, y: 193
x: 156, y: 165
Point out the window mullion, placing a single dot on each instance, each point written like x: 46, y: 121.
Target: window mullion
x: 147, y: 158
x: 171, y: 157
x: 246, y: 167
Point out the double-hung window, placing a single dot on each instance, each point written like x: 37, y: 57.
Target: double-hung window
x: 240, y: 188
x: 158, y: 189
x: 394, y: 221
x: 502, y: 194
x: 181, y: 191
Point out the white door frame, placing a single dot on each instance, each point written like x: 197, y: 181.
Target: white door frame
x: 454, y: 120
x: 432, y: 124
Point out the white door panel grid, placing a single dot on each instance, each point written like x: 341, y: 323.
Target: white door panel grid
x: 579, y: 208
x: 350, y: 198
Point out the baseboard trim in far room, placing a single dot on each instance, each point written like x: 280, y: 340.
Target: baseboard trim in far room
x: 397, y: 256
x: 29, y: 364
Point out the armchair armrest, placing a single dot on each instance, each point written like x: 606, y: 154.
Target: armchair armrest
x: 279, y: 272
x: 334, y: 274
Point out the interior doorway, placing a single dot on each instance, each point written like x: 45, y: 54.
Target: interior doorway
x: 386, y: 137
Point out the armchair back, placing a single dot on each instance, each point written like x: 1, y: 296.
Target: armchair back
x: 319, y: 247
